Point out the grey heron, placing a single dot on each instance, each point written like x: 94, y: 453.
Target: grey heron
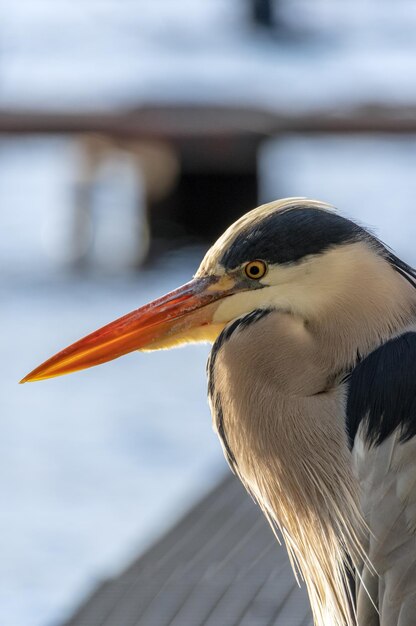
x: 312, y: 387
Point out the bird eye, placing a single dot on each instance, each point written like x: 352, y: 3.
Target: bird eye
x: 255, y: 269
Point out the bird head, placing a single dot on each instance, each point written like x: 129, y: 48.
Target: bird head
x: 294, y: 255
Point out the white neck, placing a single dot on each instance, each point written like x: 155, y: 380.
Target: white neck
x: 283, y: 417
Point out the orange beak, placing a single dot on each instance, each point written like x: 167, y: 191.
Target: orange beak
x: 183, y: 315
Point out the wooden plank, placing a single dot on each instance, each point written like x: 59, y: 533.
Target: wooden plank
x: 292, y: 611
x: 207, y: 552
x: 180, y: 563
x: 219, y: 565
x: 265, y: 605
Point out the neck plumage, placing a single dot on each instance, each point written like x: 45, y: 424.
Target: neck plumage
x: 278, y: 399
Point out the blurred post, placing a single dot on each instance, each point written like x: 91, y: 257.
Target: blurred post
x: 262, y: 13
x: 116, y: 182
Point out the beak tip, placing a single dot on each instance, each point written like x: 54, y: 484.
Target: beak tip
x: 29, y: 378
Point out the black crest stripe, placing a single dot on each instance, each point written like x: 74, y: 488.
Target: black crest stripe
x: 289, y: 236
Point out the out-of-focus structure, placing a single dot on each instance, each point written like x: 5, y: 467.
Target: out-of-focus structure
x: 191, y: 134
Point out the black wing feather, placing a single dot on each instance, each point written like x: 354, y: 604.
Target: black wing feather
x: 382, y: 392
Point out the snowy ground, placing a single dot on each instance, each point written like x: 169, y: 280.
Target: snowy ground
x: 114, y: 53
x: 92, y: 467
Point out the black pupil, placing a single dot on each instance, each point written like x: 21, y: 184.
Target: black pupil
x: 254, y: 270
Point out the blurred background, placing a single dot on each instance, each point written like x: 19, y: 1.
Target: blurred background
x: 131, y: 134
